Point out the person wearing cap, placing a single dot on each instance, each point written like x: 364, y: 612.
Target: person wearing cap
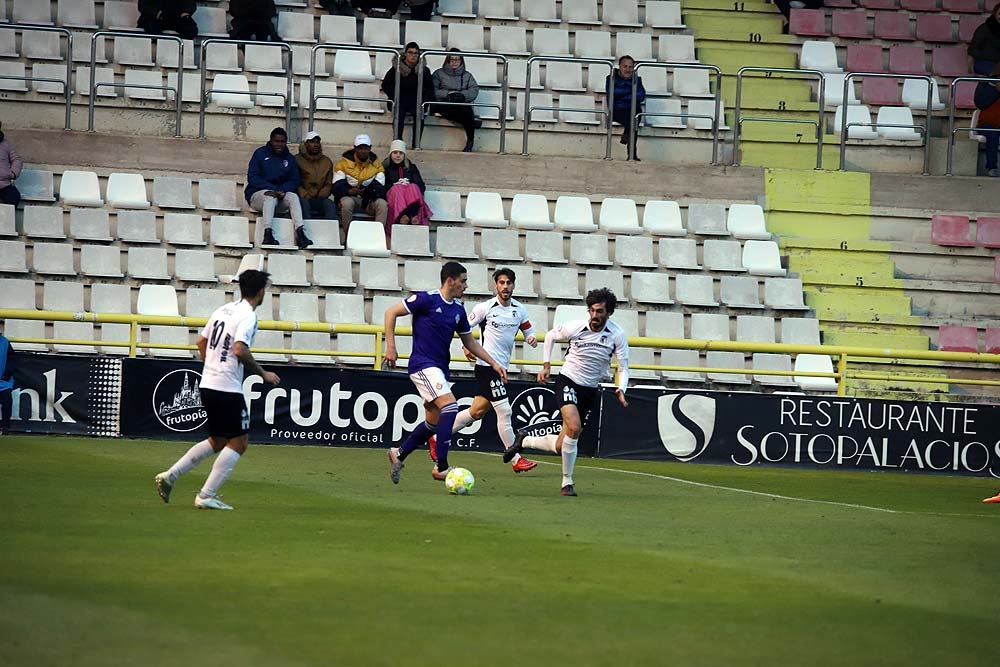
x: 316, y: 171
x: 359, y: 184
x: 273, y: 180
x: 404, y: 189
x: 407, y: 87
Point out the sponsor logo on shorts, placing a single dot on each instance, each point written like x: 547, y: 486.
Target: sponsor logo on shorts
x: 177, y: 401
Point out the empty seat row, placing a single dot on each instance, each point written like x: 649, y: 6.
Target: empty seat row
x: 890, y: 26
x: 966, y: 339
x: 949, y: 61
x: 954, y: 230
x: 890, y: 123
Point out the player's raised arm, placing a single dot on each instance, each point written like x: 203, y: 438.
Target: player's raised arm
x: 391, y: 315
x: 477, y: 350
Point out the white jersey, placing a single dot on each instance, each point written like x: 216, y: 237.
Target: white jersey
x: 588, y: 360
x: 232, y: 323
x: 498, y: 325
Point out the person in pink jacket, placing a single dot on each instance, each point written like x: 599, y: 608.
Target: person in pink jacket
x: 10, y: 169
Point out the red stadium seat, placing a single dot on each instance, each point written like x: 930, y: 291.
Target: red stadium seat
x: 965, y: 93
x: 949, y: 61
x: 851, y: 23
x: 958, y: 339
x: 879, y: 4
x: 907, y: 59
x: 967, y: 26
x: 996, y: 269
x: 988, y: 232
x: 894, y: 26
x: 919, y: 5
x: 846, y: 4
x: 811, y: 22
x: 864, y: 58
x: 934, y: 28
x: 880, y: 92
x: 951, y: 230
x: 993, y: 341
x: 962, y: 6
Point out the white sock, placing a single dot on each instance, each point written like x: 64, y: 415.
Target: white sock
x: 504, y: 427
x: 191, y: 458
x: 221, y: 469
x: 546, y: 443
x: 462, y: 419
x: 568, y: 459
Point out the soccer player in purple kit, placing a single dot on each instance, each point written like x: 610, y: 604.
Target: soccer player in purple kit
x: 437, y: 316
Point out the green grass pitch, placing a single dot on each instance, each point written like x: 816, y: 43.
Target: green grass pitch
x: 325, y: 562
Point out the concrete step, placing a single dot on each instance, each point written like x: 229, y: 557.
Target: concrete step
x: 822, y: 230
x: 860, y: 304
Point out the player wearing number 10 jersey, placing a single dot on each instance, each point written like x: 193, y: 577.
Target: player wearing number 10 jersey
x: 224, y: 345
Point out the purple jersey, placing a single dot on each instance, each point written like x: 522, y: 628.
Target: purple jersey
x: 435, y: 322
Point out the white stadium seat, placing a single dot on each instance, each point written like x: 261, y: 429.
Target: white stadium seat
x: 559, y: 283
x: 367, y: 238
x: 445, y: 206
x: 773, y: 362
x: 574, y: 214
x: 816, y: 363
x: 195, y: 265
x: 287, y: 270
x: 528, y: 211
x: 484, y: 209
x: 677, y: 253
x: 89, y: 224
x: 746, y: 221
x: 456, y: 243
x: 634, y: 252
x: 544, y: 247
x: 80, y: 188
x: 733, y: 360
x: 722, y: 255
x: 411, y: 240
x: 651, y: 287
x: 589, y: 249
x: 762, y: 258
x: 755, y: 329
x: 332, y: 271
x: 619, y: 216
x: 127, y: 191
x: 501, y: 245
x: 230, y: 231
x: 219, y: 195
x: 45, y: 222
x: 13, y: 257
x: 784, y: 294
x: 740, y: 292
x: 53, y: 259
x: 662, y: 218
x: 819, y: 55
x: 172, y: 192
x: 148, y: 263
x: 663, y: 14
x: 379, y: 273
x: 707, y: 219
x: 694, y: 290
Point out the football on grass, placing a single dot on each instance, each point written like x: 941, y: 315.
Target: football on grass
x: 459, y: 482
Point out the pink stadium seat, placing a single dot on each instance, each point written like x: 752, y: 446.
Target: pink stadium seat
x: 958, y: 339
x: 811, y: 22
x: 894, y: 26
x: 949, y: 61
x: 851, y: 23
x: 864, y: 58
x: 996, y: 269
x: 919, y: 5
x: 993, y: 341
x: 846, y: 4
x: 879, y: 4
x: 880, y: 92
x: 907, y: 59
x: 967, y: 26
x: 962, y: 6
x: 934, y: 28
x: 951, y: 230
x: 988, y: 232
x: 965, y: 93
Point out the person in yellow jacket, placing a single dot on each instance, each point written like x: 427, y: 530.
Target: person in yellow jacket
x: 316, y: 186
x: 359, y: 183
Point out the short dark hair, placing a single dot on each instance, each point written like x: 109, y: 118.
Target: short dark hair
x: 279, y: 131
x: 624, y: 58
x: 499, y: 273
x: 252, y: 282
x: 602, y: 295
x: 451, y: 270
x: 411, y: 45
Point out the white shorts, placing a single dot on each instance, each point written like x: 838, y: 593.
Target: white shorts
x: 430, y: 384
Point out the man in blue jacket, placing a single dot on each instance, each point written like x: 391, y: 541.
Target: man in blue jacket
x: 6, y: 383
x: 622, y: 111
x: 273, y: 179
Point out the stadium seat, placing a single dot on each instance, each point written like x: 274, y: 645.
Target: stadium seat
x: 167, y: 54
x: 148, y: 263
x: 755, y: 329
x: 732, y: 360
x: 171, y: 192
x: 332, y: 271
x: 550, y: 42
x: 36, y: 185
x: 988, y: 232
x: 335, y: 29
x: 702, y: 112
x: 762, y: 258
x: 363, y: 90
x: 808, y: 22
x: 544, y: 247
x: 896, y: 116
x: 564, y: 76
x: 763, y: 361
x: 101, y: 75
x: 965, y: 95
x: 691, y: 83
x: 230, y: 231
x: 589, y: 249
x: 32, y: 12
x: 934, y: 28
x: 919, y: 5
x: 202, y: 302
x: 856, y: 113
x: 634, y: 252
x: 180, y: 228
x: 559, y: 283
x: 800, y: 331
x: 12, y: 69
x: 456, y: 243
x: 425, y: 33
x: 133, y: 51
x: 850, y: 23
x: 297, y: 27
x: 707, y: 219
x: 479, y: 278
x: 613, y: 279
x: 906, y: 59
x: 722, y: 255
x: 710, y: 326
x: 484, y: 71
x: 574, y: 214
x: 445, y: 206
x: 195, y: 266
x: 673, y: 49
x: 583, y: 12
x: 784, y: 294
x: 915, y: 95
x: 345, y: 309
x: 537, y: 100
x: 43, y: 222
x: 592, y: 44
x: 263, y: 58
x: 222, y: 57
x: 639, y: 45
x: 80, y: 188
x: 660, y: 105
x: 302, y: 60
x: 26, y: 329
x: 578, y: 109
x: 529, y: 211
x: 676, y: 253
x: 877, y: 91
x: 965, y: 6
x: 509, y: 40
x: 661, y: 14
x: 621, y: 13
x: 379, y: 273
x: 992, y: 341
x: 544, y: 11
x: 890, y: 26
x: 127, y: 191
x: 619, y: 216
x: 682, y: 358
x: 89, y: 224
x: 13, y: 257
x: 76, y: 14
x: 59, y: 295
x: 143, y: 85
x: 484, y: 209
x: 816, y: 363
x: 949, y: 61
x: 381, y: 32
x: 879, y: 4
x: 287, y: 269
x: 231, y: 91
x: 819, y: 55
x: 650, y: 288
x: 295, y: 307
x: 311, y: 340
x: 967, y: 27
x: 421, y: 276
x: 8, y: 41
x: 366, y: 238
x: 460, y: 9
x: 52, y: 259
x: 662, y: 218
x: 501, y: 245
x: 352, y: 66
x: 157, y: 300
x: 411, y: 240
x: 746, y: 221
x: 465, y: 37
x: 211, y: 21
x: 958, y: 339
x: 48, y: 71
x: 740, y: 292
x: 7, y: 226
x: 951, y: 230
x: 864, y: 58
x: 694, y: 290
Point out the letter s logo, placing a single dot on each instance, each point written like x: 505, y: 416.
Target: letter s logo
x: 686, y: 423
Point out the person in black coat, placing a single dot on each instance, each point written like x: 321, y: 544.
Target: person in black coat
x: 407, y: 88
x: 155, y: 16
x: 253, y: 20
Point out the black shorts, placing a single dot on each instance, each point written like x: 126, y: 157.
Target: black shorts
x: 227, y: 413
x: 570, y: 393
x: 490, y: 385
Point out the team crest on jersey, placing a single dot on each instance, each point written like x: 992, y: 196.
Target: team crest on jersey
x: 438, y: 385
x: 604, y: 339
x: 456, y: 319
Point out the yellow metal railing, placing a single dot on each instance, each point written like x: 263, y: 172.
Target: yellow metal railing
x: 841, y: 352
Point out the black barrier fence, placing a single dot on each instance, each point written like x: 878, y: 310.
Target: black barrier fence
x: 345, y: 407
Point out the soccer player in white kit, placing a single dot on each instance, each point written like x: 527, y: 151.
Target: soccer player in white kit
x: 499, y: 320
x: 593, y: 342
x: 224, y: 345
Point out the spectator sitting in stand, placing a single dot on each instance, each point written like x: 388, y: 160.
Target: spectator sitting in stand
x: 359, y: 183
x: 452, y: 83
x: 786, y: 7
x: 987, y: 100
x: 407, y: 87
x: 10, y: 168
x: 253, y: 20
x: 622, y: 112
x: 984, y: 49
x: 316, y: 185
x: 405, y: 189
x: 155, y: 16
x: 273, y: 178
